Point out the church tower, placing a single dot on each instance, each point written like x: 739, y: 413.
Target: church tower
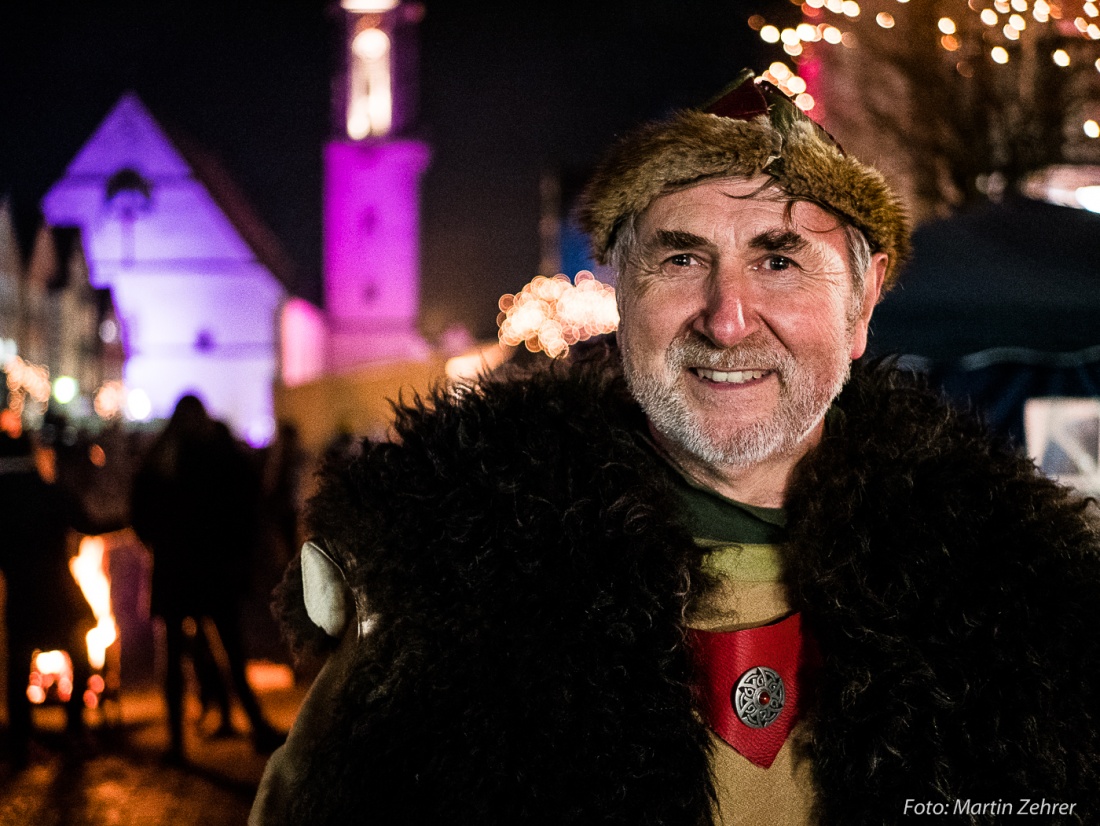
x: 372, y: 182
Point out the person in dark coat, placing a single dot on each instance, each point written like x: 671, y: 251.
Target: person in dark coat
x: 726, y: 573
x: 45, y: 607
x: 194, y: 504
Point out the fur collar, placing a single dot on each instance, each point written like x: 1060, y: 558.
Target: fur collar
x: 528, y: 662
x: 955, y: 592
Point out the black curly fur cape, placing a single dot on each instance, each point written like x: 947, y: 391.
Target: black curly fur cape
x: 529, y: 583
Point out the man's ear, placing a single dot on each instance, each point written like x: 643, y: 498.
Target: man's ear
x: 325, y: 590
x: 872, y: 289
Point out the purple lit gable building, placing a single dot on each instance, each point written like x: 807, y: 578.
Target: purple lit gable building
x: 197, y: 303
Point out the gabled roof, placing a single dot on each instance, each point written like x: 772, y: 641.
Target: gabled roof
x: 131, y: 142
x: 128, y: 136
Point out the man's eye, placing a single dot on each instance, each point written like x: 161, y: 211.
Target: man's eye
x: 683, y: 259
x: 778, y: 263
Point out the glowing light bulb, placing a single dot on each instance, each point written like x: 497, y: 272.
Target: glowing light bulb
x: 780, y: 71
x: 65, y: 389
x: 831, y: 34
x: 850, y: 8
x: 108, y: 399
x: 364, y: 6
x: 138, y: 405
x: 1061, y: 57
x: 1017, y: 22
x: 885, y: 19
x: 947, y: 25
x: 989, y: 17
x: 769, y: 34
x: 371, y: 44
x: 1089, y: 197
x: 1092, y: 129
x: 807, y: 33
x: 999, y: 54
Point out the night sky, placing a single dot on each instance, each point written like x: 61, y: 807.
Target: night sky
x: 507, y: 92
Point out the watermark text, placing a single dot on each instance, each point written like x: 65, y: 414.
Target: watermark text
x: 965, y: 806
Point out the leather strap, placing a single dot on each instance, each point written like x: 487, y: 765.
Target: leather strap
x: 751, y: 684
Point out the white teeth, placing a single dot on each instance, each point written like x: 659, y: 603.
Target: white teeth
x: 730, y: 377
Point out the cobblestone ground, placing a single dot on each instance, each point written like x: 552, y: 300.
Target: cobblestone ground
x: 119, y: 777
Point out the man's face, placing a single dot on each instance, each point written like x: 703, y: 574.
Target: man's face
x: 739, y: 320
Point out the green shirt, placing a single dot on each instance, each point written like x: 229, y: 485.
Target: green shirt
x: 741, y: 540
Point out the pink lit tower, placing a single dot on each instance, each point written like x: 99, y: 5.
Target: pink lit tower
x: 372, y: 177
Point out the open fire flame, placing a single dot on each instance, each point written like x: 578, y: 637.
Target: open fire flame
x: 89, y: 572
x: 52, y: 670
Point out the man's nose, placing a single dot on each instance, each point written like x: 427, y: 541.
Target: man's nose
x: 729, y: 315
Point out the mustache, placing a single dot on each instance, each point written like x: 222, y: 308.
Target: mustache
x: 695, y: 350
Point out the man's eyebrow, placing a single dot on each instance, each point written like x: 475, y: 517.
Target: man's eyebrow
x: 675, y: 239
x: 780, y: 240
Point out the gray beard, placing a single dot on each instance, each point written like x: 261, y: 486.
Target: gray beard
x: 802, y: 405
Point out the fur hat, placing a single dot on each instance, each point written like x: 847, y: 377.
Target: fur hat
x: 751, y: 128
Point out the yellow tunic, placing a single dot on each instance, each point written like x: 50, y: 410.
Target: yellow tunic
x: 750, y: 594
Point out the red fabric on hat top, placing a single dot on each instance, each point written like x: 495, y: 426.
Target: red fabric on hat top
x: 743, y: 103
x: 721, y: 658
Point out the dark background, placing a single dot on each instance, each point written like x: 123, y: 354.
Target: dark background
x: 508, y: 91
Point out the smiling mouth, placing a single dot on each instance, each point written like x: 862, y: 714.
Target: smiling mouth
x: 729, y: 376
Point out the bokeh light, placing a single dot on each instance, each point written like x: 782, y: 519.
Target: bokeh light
x: 551, y: 314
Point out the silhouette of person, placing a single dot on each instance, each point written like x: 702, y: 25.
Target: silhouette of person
x: 45, y: 607
x: 282, y: 477
x: 279, y: 467
x: 213, y: 691
x: 194, y: 504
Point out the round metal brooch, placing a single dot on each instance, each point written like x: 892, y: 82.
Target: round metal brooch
x: 758, y: 697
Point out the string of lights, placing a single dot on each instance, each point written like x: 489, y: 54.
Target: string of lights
x: 28, y: 382
x: 1001, y: 32
x: 551, y: 314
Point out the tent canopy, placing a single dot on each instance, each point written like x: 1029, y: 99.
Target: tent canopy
x: 1020, y: 274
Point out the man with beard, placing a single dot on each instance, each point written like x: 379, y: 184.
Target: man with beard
x: 741, y: 315
x: 716, y: 576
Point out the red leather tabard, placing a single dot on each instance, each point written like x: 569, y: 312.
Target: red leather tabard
x: 722, y: 658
